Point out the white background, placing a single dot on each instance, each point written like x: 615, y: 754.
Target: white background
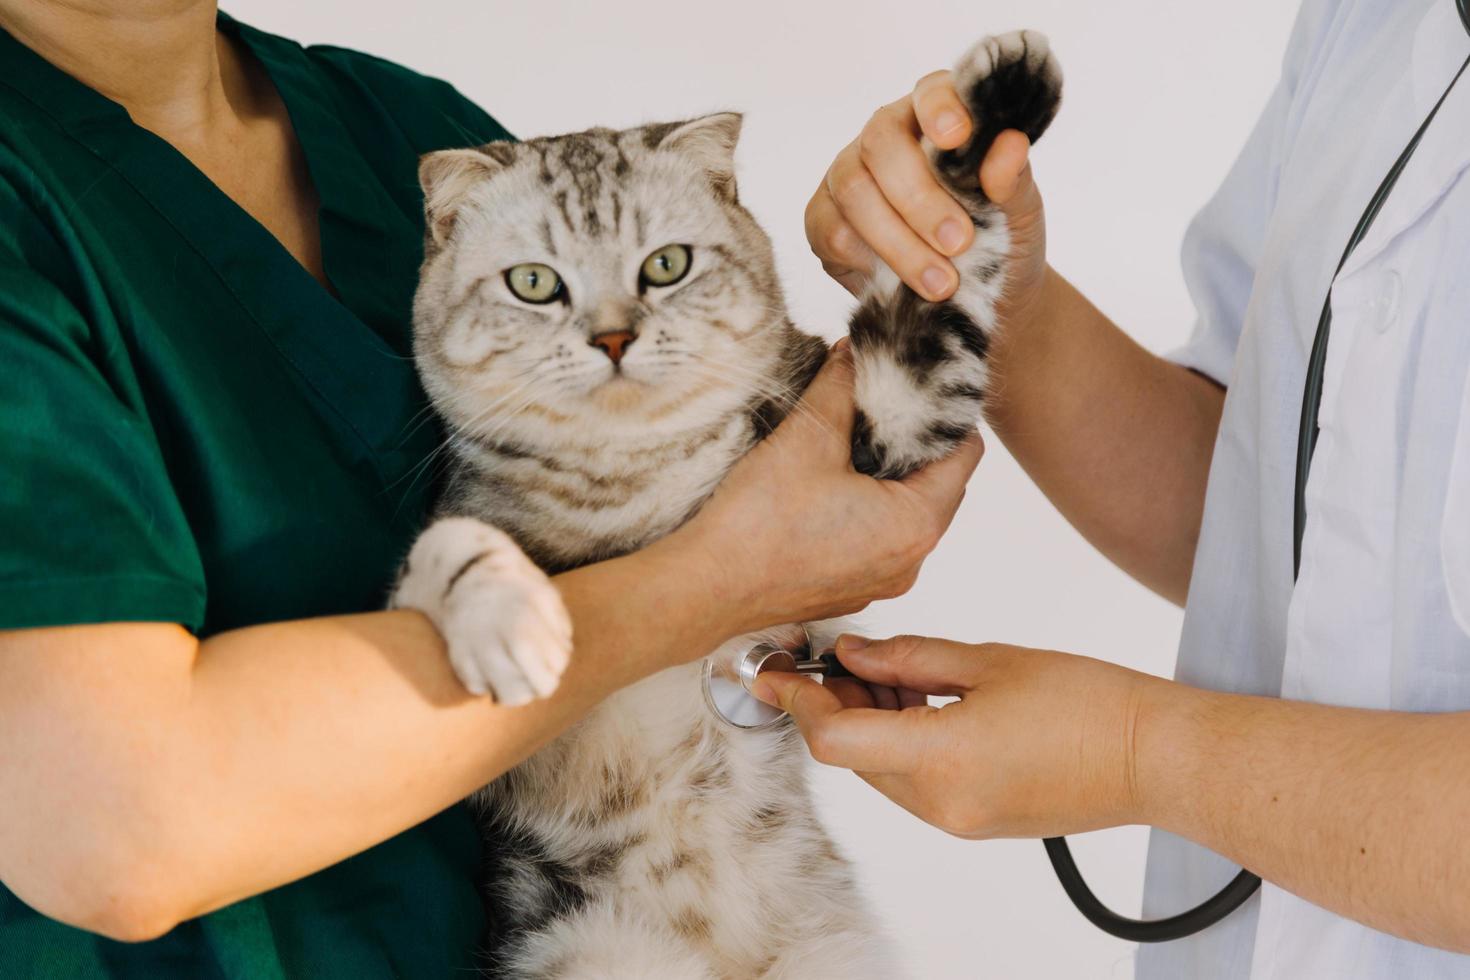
x: 1159, y: 96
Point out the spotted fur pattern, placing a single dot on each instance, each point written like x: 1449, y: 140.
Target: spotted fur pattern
x: 921, y: 367
x: 649, y: 841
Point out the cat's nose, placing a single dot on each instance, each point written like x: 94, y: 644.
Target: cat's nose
x: 614, y: 343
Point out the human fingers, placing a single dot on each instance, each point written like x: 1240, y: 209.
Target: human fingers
x: 851, y: 692
x: 939, y: 111
x: 863, y: 206
x: 1005, y: 173
x: 869, y: 740
x: 941, y: 484
x: 844, y: 255
x: 884, y: 697
x: 889, y: 148
x: 915, y: 663
x: 826, y: 409
x: 911, y: 699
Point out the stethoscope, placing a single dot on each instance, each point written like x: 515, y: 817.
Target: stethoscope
x: 728, y: 679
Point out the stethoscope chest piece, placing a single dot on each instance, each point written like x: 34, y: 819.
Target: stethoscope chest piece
x: 730, y: 671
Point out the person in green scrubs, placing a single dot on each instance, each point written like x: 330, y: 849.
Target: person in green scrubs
x: 217, y: 759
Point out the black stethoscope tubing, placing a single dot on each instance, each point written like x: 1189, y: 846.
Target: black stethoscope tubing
x: 1244, y: 884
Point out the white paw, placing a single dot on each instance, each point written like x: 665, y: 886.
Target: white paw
x: 507, y: 630
x: 998, y: 50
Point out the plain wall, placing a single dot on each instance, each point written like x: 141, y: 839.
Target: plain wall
x: 1159, y: 97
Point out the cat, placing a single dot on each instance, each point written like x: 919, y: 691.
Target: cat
x: 600, y: 326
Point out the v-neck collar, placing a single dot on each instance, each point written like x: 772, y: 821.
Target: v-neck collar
x: 367, y: 244
x: 351, y: 352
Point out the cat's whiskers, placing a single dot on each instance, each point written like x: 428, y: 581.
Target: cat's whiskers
x: 446, y: 403
x: 460, y: 429
x: 766, y: 386
x: 490, y: 435
x: 752, y: 383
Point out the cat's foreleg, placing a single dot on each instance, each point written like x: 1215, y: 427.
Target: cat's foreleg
x: 920, y: 377
x: 508, y: 633
x: 922, y: 368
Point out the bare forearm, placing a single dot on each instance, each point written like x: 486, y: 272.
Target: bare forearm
x: 267, y: 753
x: 375, y: 692
x: 321, y: 716
x: 147, y: 777
x: 1118, y: 438
x: 1361, y: 812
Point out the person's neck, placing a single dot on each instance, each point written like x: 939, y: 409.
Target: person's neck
x: 162, y: 60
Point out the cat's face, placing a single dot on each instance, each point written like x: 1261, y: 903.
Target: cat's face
x: 600, y: 281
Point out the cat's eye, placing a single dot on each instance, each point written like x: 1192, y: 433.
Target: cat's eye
x: 666, y: 266
x: 534, y: 282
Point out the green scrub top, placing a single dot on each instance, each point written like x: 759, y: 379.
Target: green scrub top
x: 194, y: 430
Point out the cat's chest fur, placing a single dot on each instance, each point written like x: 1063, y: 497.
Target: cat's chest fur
x: 584, y: 502
x: 649, y: 804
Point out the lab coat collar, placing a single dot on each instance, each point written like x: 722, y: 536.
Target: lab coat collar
x: 1440, y: 48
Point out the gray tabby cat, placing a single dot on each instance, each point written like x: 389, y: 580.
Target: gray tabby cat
x: 600, y: 325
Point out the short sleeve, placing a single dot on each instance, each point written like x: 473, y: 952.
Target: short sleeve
x: 1223, y: 244
x: 91, y: 529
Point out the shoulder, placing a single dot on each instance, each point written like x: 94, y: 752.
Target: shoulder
x: 35, y: 238
x: 432, y: 113
x: 1310, y: 34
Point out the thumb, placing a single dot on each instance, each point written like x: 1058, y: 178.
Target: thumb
x: 941, y: 484
x: 919, y: 663
x: 867, y: 740
x: 1005, y: 175
x: 826, y: 406
x: 801, y: 697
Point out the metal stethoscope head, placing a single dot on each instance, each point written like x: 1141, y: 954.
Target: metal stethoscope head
x: 728, y: 675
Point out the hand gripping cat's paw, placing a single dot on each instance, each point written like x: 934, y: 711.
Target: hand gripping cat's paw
x: 508, y: 633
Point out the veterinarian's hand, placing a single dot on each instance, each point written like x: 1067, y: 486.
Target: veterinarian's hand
x: 794, y: 533
x: 1039, y: 743
x: 879, y: 196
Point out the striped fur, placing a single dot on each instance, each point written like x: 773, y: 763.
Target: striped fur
x: 649, y: 841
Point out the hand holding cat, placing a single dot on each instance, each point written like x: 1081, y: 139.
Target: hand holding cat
x: 1039, y: 743
x: 795, y: 534
x: 880, y: 197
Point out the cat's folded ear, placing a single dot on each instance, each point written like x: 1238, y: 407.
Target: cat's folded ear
x: 710, y: 141
x: 447, y: 177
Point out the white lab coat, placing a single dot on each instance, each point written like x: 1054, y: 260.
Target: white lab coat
x: 1381, y: 615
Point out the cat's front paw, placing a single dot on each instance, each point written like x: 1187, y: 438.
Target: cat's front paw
x: 1011, y: 81
x: 508, y: 633
x: 1007, y: 81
